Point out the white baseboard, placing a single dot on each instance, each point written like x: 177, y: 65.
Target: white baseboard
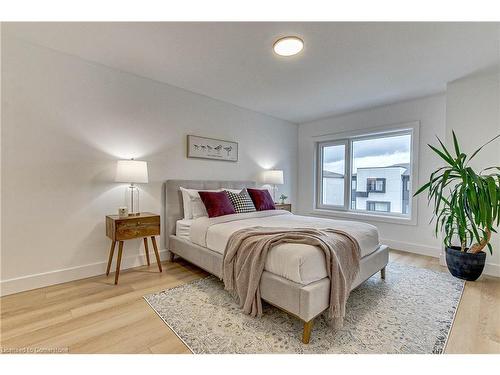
x: 492, y: 269
x: 40, y: 280
x: 412, y: 247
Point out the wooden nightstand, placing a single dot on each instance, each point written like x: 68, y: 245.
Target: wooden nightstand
x: 286, y: 206
x: 126, y: 228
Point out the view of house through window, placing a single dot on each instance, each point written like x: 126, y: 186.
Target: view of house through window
x: 379, y: 170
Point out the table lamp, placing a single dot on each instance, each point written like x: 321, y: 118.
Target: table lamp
x: 132, y: 172
x: 273, y: 177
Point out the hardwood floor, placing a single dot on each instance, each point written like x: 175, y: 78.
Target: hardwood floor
x: 95, y: 316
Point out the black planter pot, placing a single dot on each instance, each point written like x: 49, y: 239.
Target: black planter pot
x: 465, y: 266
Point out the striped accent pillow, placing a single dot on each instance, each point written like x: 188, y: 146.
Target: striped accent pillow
x: 241, y: 202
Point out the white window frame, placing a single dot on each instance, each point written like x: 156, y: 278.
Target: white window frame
x: 319, y: 172
x: 347, y: 138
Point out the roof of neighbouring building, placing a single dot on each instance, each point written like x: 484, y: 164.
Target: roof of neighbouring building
x: 405, y: 166
x: 330, y: 174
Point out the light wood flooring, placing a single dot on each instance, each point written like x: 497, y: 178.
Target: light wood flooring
x: 95, y: 316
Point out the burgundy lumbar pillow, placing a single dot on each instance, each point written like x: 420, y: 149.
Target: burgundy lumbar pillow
x: 217, y: 203
x: 262, y: 200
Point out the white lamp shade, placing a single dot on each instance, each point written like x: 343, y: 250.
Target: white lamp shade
x: 273, y: 177
x: 132, y: 171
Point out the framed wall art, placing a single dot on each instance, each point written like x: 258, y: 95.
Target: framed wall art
x: 211, y: 148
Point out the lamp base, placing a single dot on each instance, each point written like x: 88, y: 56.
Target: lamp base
x: 134, y: 209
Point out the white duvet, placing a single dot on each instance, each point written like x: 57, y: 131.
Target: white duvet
x: 300, y: 263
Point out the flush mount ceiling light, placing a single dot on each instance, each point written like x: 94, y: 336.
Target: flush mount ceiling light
x: 288, y: 46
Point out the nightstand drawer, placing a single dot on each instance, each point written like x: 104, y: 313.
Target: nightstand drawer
x: 284, y: 206
x: 135, y: 228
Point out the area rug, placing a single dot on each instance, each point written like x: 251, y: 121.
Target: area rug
x: 411, y: 311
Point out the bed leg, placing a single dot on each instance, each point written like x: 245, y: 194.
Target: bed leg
x: 171, y: 256
x: 382, y: 273
x: 306, y: 335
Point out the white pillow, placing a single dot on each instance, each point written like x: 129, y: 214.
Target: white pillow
x: 186, y: 203
x: 193, y: 205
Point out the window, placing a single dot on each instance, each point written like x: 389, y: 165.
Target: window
x: 332, y: 174
x: 406, y: 193
x: 376, y: 185
x: 378, y: 206
x: 353, y: 192
x: 367, y: 173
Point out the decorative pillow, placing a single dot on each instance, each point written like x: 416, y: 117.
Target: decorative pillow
x: 235, y: 191
x: 193, y: 206
x: 241, y: 202
x: 217, y: 203
x: 261, y: 199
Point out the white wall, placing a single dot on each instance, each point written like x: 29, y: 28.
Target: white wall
x: 430, y: 112
x: 66, y: 121
x: 473, y: 112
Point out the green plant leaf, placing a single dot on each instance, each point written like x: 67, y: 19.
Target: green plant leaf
x: 423, y: 188
x: 444, y: 148
x: 443, y: 156
x: 479, y: 149
x: 455, y: 144
x: 486, y: 169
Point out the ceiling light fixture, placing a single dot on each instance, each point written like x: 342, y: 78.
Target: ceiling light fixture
x: 288, y: 46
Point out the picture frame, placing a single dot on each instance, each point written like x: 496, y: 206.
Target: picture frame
x: 211, y: 148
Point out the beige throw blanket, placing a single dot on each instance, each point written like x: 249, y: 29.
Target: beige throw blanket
x: 246, y: 253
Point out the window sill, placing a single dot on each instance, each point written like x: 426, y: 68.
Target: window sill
x: 364, y: 216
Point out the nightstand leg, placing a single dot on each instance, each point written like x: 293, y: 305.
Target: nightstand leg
x: 118, y: 261
x: 146, y: 249
x: 111, y: 252
x: 153, y: 240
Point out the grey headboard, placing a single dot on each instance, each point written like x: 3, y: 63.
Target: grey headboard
x: 173, y: 209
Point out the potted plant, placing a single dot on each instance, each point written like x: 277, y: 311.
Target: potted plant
x: 283, y: 198
x: 466, y: 208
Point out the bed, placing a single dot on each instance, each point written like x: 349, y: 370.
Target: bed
x: 294, y: 277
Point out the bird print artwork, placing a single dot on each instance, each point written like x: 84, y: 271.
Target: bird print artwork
x: 200, y: 147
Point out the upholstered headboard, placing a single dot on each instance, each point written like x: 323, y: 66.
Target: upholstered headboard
x: 173, y: 209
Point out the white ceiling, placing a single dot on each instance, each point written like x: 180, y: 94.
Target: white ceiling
x: 343, y: 67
